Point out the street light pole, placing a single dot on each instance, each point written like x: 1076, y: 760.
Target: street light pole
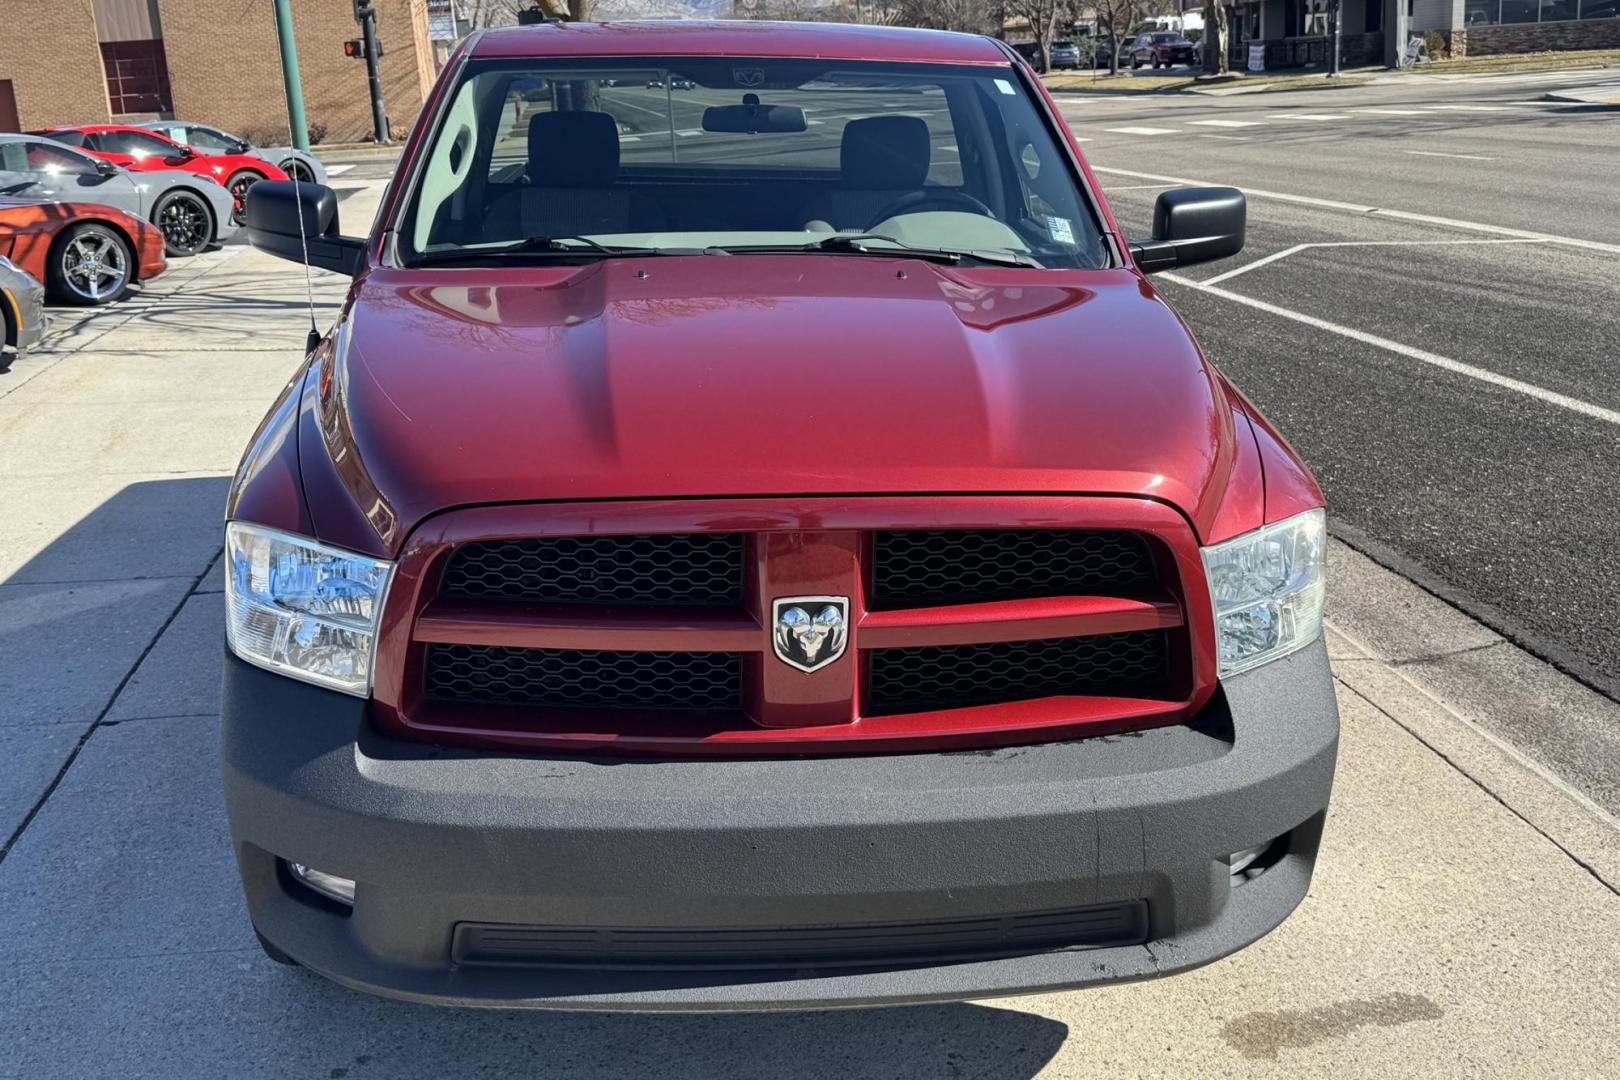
x: 367, y: 17
x: 289, y: 75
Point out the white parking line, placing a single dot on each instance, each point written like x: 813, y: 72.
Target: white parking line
x: 1142, y: 131
x: 1475, y: 108
x: 337, y: 170
x: 1441, y: 153
x: 1392, y: 112
x: 1357, y: 208
x: 1274, y: 256
x: 1226, y: 123
x: 1445, y: 363
x: 1309, y: 116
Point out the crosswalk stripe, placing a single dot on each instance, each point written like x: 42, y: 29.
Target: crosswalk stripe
x: 337, y: 170
x: 1475, y: 108
x: 1226, y: 123
x: 1309, y: 116
x: 1141, y: 131
x: 1392, y: 112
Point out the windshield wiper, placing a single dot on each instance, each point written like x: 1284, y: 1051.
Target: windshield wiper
x: 863, y: 244
x: 534, y: 245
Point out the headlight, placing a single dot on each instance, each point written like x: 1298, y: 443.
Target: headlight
x: 301, y: 608
x: 1266, y: 588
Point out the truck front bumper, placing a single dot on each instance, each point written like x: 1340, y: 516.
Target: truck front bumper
x: 496, y: 880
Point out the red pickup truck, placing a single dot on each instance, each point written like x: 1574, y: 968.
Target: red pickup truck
x: 763, y: 547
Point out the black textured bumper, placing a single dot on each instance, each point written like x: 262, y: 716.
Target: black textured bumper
x: 441, y: 839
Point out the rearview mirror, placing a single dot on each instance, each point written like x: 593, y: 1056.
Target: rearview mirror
x: 275, y: 209
x: 1192, y: 225
x: 753, y: 119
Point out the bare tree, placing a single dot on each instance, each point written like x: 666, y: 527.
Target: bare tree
x: 1214, y: 40
x: 1114, y: 18
x: 1042, y: 18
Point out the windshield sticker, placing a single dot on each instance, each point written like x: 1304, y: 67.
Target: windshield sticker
x: 1005, y: 87
x: 1061, y: 229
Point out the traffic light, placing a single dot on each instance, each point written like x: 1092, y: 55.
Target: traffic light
x: 355, y: 49
x: 362, y: 8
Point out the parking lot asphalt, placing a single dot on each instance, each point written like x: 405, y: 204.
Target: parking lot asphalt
x: 1461, y: 922
x: 1426, y: 306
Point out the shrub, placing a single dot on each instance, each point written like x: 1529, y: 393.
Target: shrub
x: 317, y: 132
x: 1435, y: 42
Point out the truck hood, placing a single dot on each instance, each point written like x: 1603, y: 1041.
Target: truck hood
x: 761, y: 375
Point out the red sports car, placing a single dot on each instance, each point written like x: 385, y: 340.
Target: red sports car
x: 83, y: 252
x: 140, y: 150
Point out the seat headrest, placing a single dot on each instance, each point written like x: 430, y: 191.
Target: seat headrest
x: 885, y: 153
x: 573, y: 149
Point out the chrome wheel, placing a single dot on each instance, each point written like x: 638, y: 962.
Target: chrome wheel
x: 93, y: 265
x: 184, y: 222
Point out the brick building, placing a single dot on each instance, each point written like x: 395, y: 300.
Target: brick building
x: 210, y: 61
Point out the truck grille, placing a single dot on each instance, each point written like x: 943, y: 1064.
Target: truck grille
x: 700, y: 570
x: 629, y: 640
x: 915, y: 680
x: 585, y: 678
x: 925, y: 568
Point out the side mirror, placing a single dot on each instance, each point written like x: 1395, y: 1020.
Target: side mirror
x: 1192, y: 225
x: 185, y: 153
x: 105, y: 167
x: 274, y: 209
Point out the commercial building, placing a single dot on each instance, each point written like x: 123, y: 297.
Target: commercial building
x: 210, y: 61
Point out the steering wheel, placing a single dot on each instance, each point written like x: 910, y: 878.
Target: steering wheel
x: 918, y: 202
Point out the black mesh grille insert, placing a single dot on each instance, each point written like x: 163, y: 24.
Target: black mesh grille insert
x: 949, y: 676
x: 585, y: 678
x: 923, y: 568
x: 798, y: 947
x: 678, y: 570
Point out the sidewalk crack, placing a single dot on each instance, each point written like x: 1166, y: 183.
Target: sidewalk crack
x: 101, y: 717
x: 1471, y: 778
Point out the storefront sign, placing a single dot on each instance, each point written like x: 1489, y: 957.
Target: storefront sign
x: 1257, y: 57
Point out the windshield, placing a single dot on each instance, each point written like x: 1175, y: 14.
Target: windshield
x: 729, y: 154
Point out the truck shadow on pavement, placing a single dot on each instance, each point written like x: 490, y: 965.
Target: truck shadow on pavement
x: 127, y: 949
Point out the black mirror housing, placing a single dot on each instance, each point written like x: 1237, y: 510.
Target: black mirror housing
x: 105, y: 167
x: 754, y: 119
x: 1193, y: 225
x: 276, y: 208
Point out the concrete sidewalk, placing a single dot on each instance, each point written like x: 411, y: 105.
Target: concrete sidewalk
x: 1463, y: 919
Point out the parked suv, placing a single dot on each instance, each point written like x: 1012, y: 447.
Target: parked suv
x: 763, y: 564
x: 1162, y: 49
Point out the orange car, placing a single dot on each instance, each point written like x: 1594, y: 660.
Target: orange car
x: 84, y: 253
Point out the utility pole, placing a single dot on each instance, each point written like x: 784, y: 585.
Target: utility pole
x: 289, y: 75
x: 1336, y: 13
x: 366, y: 16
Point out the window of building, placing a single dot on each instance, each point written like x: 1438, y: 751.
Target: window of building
x: 137, y: 76
x: 1491, y: 12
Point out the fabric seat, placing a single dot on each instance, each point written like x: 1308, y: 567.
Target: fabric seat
x: 573, y: 163
x: 881, y: 159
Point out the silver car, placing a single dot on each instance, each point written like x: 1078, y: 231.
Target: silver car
x: 193, y: 212
x: 22, y: 312
x: 297, y: 164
